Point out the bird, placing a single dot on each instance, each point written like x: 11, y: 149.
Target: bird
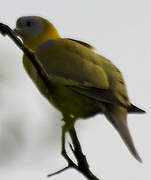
x: 83, y: 83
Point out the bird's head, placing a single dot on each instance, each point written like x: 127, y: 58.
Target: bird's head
x: 33, y: 30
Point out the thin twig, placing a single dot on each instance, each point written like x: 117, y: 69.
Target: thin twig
x: 58, y: 172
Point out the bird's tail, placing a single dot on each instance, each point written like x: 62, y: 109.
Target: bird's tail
x: 117, y: 116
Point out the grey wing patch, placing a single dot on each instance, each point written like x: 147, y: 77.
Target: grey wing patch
x: 48, y: 43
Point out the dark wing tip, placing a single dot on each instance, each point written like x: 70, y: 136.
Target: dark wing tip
x: 134, y: 109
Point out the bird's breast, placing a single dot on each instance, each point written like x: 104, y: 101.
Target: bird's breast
x: 63, y: 98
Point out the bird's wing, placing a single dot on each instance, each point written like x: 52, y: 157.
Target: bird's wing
x: 75, y: 66
x: 69, y: 60
x: 82, y: 43
x: 135, y: 109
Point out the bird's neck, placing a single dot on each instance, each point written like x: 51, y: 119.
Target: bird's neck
x: 49, y: 33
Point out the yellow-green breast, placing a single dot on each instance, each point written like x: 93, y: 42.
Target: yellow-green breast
x: 63, y: 98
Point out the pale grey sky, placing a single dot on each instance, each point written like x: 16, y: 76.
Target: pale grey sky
x: 30, y: 128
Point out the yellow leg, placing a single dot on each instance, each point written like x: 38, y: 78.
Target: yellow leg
x: 69, y: 123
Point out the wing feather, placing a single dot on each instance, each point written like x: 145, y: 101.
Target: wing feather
x: 73, y: 64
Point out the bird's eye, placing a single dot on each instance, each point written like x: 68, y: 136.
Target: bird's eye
x: 28, y: 23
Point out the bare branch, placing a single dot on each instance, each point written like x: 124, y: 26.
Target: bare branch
x: 83, y: 166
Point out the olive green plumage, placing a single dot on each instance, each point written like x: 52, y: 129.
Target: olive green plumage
x: 83, y: 82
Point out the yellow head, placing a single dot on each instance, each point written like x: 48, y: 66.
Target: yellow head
x: 34, y: 30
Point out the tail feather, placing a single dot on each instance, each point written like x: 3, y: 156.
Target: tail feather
x: 118, y: 119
